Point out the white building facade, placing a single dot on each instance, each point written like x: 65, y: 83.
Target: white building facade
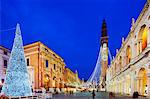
x: 129, y: 71
x: 4, y: 58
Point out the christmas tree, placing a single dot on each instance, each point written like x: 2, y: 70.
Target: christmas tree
x: 17, y: 78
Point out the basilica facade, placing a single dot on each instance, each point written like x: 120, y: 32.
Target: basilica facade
x: 129, y: 70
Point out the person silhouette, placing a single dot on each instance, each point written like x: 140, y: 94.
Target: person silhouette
x: 93, y: 94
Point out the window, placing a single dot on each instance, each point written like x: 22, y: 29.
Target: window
x: 46, y: 63
x: 54, y: 78
x: 28, y: 62
x: 5, y: 53
x: 120, y: 62
x: 54, y: 66
x: 46, y: 49
x: 142, y: 38
x: 128, y: 55
x: 5, y: 63
x: 60, y: 69
x: 2, y: 80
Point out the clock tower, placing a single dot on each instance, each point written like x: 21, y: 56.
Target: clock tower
x: 104, y: 54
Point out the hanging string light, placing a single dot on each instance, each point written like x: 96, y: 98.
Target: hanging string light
x: 7, y: 29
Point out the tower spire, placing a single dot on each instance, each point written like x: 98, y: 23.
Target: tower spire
x: 104, y: 28
x: 104, y: 36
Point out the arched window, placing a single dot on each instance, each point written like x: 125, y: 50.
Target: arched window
x: 115, y: 68
x: 128, y: 55
x: 142, y: 38
x: 120, y: 62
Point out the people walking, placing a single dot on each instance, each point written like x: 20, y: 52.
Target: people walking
x: 93, y: 94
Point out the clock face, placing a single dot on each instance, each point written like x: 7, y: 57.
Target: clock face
x: 104, y: 53
x: 105, y: 58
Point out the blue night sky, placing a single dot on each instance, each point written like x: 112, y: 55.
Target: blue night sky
x: 71, y: 28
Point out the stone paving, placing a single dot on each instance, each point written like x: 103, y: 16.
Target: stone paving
x: 87, y: 95
x: 82, y: 95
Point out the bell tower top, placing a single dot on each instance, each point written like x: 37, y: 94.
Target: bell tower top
x: 104, y: 36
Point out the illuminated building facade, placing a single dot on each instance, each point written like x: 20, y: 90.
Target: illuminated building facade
x: 71, y: 79
x: 46, y: 66
x: 4, y: 58
x: 46, y: 69
x: 129, y: 71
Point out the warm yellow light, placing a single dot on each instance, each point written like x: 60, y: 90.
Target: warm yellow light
x: 144, y: 38
x: 46, y: 79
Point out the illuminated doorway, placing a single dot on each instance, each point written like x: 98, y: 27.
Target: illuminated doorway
x: 142, y: 81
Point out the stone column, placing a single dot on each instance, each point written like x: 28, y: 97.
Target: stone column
x: 148, y: 83
x: 132, y: 84
x: 121, y: 87
x: 148, y: 35
x: 140, y: 43
x: 138, y: 83
x: 115, y: 87
x: 118, y: 88
x: 135, y: 84
x: 141, y: 86
x: 137, y: 50
x: 124, y: 87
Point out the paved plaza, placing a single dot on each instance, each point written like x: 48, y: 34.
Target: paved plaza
x: 88, y: 95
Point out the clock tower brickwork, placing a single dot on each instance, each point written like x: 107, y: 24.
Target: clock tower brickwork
x: 104, y: 54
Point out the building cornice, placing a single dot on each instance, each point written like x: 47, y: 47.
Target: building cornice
x: 4, y: 48
x: 39, y: 44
